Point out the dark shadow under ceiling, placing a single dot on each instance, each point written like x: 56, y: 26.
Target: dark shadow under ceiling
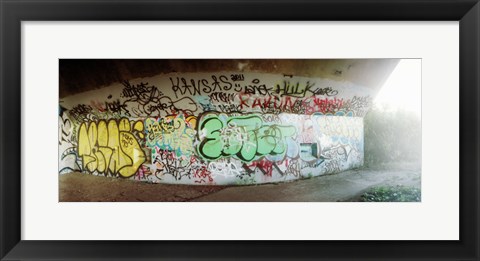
x: 80, y: 75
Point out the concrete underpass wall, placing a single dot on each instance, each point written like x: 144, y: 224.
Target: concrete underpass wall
x: 214, y: 128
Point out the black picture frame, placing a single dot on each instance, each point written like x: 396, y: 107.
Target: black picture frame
x: 467, y: 12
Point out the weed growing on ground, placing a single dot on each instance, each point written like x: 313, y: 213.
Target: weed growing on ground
x: 392, y: 194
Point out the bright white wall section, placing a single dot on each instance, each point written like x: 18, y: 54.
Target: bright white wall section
x: 435, y: 43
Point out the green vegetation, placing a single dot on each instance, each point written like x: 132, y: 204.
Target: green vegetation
x: 391, y: 194
x: 391, y: 137
x: 393, y: 142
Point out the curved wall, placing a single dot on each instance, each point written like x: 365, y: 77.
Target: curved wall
x: 214, y: 128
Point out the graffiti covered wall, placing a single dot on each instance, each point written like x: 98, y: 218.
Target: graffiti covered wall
x: 214, y: 128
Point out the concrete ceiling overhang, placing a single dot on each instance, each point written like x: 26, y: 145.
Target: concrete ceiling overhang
x: 80, y: 75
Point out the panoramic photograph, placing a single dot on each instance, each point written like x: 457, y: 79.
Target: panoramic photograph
x: 239, y: 130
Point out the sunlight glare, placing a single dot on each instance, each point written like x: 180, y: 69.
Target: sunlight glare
x: 403, y: 89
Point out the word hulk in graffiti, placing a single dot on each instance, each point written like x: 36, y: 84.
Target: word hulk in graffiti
x: 111, y: 147
x: 242, y: 136
x: 295, y: 89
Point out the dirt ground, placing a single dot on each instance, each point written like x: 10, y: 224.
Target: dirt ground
x: 345, y: 186
x: 76, y: 187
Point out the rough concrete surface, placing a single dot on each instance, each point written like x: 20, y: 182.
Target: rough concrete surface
x: 345, y: 186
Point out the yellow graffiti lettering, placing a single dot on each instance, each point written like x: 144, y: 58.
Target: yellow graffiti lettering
x: 110, y: 147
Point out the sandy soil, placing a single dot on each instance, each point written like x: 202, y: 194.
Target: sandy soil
x: 76, y: 187
x: 345, y: 186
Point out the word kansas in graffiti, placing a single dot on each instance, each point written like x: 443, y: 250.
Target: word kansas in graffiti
x: 221, y: 83
x: 244, y: 137
x: 110, y: 147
